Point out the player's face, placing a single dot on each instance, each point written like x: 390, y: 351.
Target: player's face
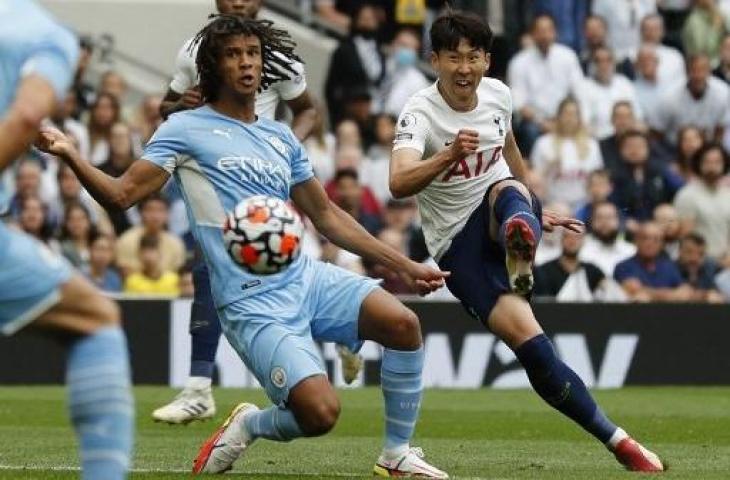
x: 460, y: 70
x: 242, y: 8
x: 241, y: 63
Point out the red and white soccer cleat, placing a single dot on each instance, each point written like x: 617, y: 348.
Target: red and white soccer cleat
x: 226, y: 445
x: 520, y: 245
x: 410, y: 464
x: 637, y: 458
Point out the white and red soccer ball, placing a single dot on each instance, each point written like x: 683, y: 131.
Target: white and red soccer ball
x: 263, y: 235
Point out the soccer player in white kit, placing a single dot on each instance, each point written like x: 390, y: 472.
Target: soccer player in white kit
x: 454, y: 149
x: 196, y: 401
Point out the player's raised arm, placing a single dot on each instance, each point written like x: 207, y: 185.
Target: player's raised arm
x: 344, y: 231
x: 409, y: 174
x: 141, y: 178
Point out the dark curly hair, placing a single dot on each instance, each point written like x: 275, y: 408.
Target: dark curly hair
x: 277, y: 51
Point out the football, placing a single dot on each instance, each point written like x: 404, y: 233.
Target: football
x: 263, y: 235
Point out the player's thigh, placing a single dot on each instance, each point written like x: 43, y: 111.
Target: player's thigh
x: 476, y: 262
x: 334, y: 303
x: 39, y: 287
x: 385, y: 320
x: 513, y: 320
x: 271, y: 335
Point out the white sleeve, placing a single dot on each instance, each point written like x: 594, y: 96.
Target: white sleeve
x: 412, y: 128
x: 295, y: 86
x: 186, y: 72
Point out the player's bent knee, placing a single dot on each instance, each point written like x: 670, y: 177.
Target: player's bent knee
x: 512, y: 320
x: 406, y: 330
x: 321, y: 416
x: 105, y: 312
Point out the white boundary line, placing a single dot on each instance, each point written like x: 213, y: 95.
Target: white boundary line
x: 37, y: 468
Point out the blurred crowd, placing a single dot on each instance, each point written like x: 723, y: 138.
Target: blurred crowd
x: 620, y: 109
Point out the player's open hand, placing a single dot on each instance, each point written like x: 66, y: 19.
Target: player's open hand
x: 52, y: 140
x: 424, y: 279
x: 551, y: 220
x: 466, y: 143
x: 192, y: 98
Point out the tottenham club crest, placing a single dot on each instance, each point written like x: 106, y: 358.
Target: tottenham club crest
x: 499, y: 122
x: 408, y: 120
x: 278, y: 377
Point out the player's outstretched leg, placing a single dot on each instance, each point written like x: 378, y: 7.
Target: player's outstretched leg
x: 312, y: 410
x: 98, y: 378
x: 513, y: 321
x: 196, y: 401
x: 388, y: 322
x: 518, y: 230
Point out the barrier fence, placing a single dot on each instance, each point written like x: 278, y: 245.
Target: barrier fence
x: 608, y: 345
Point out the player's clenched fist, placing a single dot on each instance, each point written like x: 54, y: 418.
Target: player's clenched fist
x: 53, y: 141
x: 466, y: 143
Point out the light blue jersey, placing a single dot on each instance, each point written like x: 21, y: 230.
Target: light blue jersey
x: 218, y: 161
x: 272, y: 321
x: 31, y: 43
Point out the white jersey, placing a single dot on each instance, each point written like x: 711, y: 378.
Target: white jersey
x: 428, y: 124
x: 186, y: 77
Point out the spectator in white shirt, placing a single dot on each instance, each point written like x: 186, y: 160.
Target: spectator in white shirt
x: 623, y: 18
x: 671, y: 62
x: 605, y: 246
x: 402, y: 77
x: 702, y: 101
x: 603, y: 90
x: 540, y: 77
x: 565, y: 157
x: 649, y: 90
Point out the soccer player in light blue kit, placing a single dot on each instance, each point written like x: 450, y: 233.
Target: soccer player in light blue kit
x: 39, y: 290
x: 222, y: 153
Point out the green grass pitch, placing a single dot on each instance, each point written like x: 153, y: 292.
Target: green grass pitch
x: 483, y: 434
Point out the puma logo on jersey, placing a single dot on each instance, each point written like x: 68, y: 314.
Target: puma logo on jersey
x: 223, y: 133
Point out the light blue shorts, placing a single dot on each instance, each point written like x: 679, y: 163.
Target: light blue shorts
x: 274, y: 332
x: 30, y: 278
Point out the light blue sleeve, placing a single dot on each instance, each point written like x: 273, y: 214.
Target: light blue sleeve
x: 55, y: 61
x: 301, y: 167
x: 168, y: 145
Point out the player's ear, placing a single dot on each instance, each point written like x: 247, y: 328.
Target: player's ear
x: 434, y: 60
x: 487, y: 62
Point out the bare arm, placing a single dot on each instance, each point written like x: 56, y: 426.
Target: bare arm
x: 344, y: 231
x: 34, y: 101
x: 409, y: 174
x: 305, y: 115
x: 141, y: 178
x: 174, y: 102
x: 514, y: 158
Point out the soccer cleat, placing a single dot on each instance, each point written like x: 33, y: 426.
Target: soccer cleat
x: 637, y: 458
x: 227, y: 444
x: 351, y: 363
x: 520, y: 245
x: 410, y: 464
x: 189, y: 405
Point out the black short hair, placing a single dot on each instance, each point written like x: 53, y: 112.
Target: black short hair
x: 149, y: 241
x: 629, y: 134
x: 448, y: 30
x: 695, y: 238
x: 699, y: 156
x: 277, y: 51
x: 346, y: 173
x: 540, y: 16
x: 153, y: 197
